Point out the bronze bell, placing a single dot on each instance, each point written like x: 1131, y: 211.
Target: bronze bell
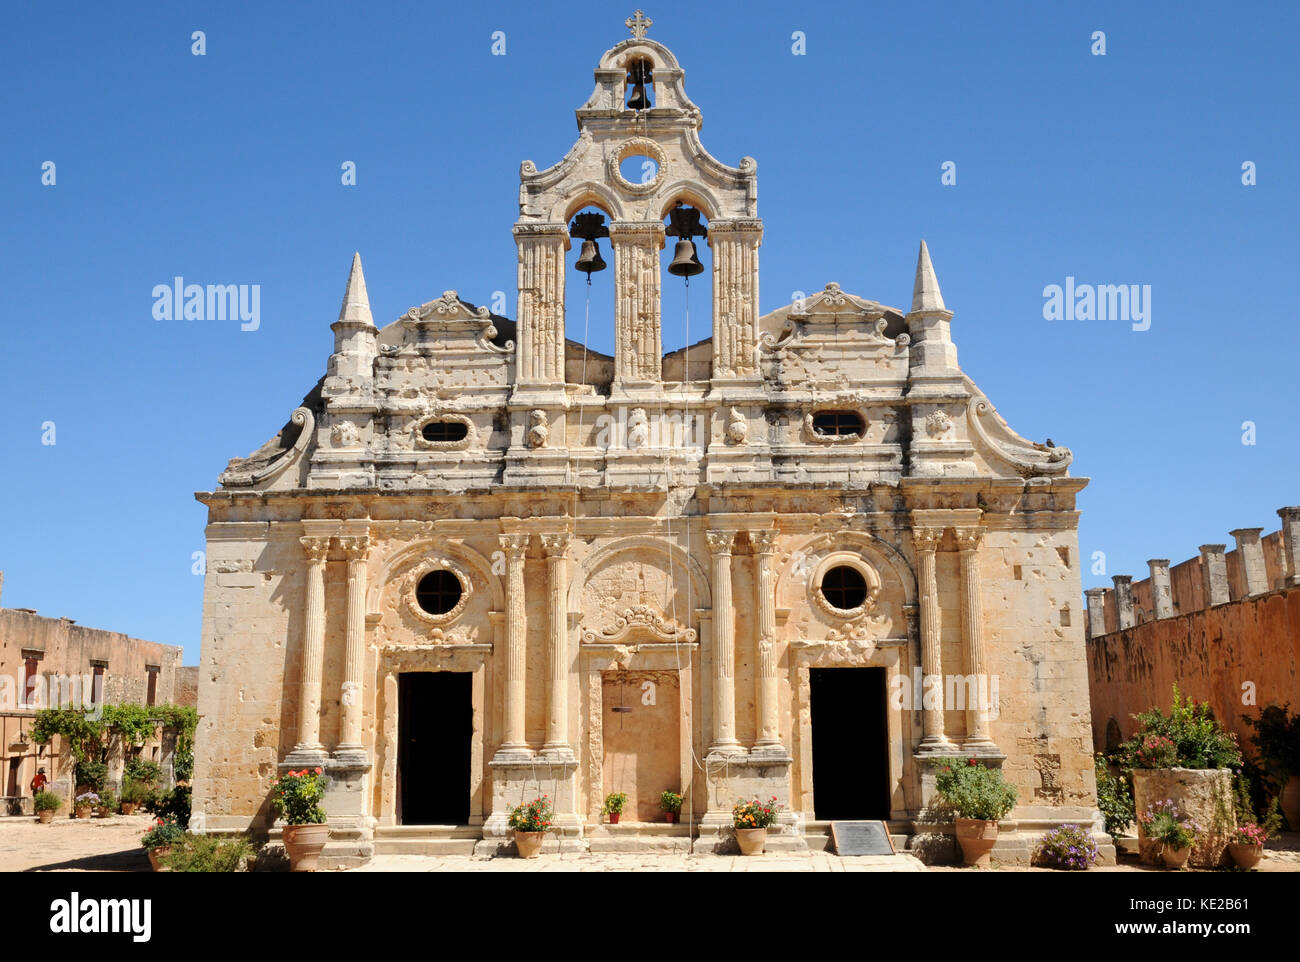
x: 589, y: 258
x: 638, y: 100
x: 685, y: 262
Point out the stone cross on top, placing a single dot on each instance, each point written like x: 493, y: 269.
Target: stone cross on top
x: 638, y: 24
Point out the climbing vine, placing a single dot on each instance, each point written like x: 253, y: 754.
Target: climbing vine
x: 87, y: 733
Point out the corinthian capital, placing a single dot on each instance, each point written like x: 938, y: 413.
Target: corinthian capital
x: 968, y: 538
x: 357, y: 549
x: 720, y: 542
x: 315, y: 549
x: 927, y: 539
x: 513, y: 544
x: 556, y: 545
x: 763, y: 540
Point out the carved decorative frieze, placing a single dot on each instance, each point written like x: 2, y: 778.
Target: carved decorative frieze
x: 640, y: 618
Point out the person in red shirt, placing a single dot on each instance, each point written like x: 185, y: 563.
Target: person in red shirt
x: 39, y: 782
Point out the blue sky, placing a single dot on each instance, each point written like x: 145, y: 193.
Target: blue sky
x: 225, y: 169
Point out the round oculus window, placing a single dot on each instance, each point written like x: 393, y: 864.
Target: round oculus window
x: 844, y: 588
x: 438, y: 592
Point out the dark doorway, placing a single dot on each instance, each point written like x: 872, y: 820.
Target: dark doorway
x: 434, y: 723
x: 850, y: 743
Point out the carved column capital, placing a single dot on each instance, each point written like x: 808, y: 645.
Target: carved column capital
x: 514, y: 544
x: 969, y: 538
x: 763, y: 540
x: 356, y: 548
x: 556, y: 545
x: 927, y: 538
x: 720, y: 542
x: 315, y: 549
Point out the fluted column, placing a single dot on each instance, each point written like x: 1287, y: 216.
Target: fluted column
x: 638, y: 349
x: 357, y: 550
x: 972, y: 632
x: 769, y: 730
x: 313, y: 647
x: 934, y: 740
x: 515, y: 546
x: 539, y: 336
x: 555, y: 547
x: 724, y: 645
x: 735, y: 296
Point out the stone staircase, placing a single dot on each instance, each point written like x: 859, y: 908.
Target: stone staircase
x: 819, y: 838
x: 660, y: 837
x: 426, y: 839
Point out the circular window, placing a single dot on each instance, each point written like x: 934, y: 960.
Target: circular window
x: 844, y: 588
x: 438, y: 592
x: 445, y: 432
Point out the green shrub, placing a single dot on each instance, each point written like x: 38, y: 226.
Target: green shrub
x: 138, y: 793
x: 47, y: 802
x: 210, y: 853
x: 142, y: 770
x: 974, y: 791
x: 173, y: 805
x: 671, y: 802
x: 108, y: 799
x: 91, y: 774
x: 614, y: 803
x: 1199, y: 741
x: 1113, y: 798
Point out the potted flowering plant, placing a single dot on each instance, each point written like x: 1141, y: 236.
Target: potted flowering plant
x: 85, y: 804
x: 1247, y: 845
x: 979, y: 797
x: 46, y: 804
x: 671, y: 804
x: 1067, y: 847
x: 751, y: 820
x: 107, y: 803
x: 1156, y: 751
x: 613, y: 806
x: 135, y: 794
x: 158, y: 841
x: 530, y: 822
x: 1173, y: 831
x: 296, y: 796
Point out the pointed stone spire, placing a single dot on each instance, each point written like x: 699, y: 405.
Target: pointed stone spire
x: 356, y: 302
x: 925, y: 292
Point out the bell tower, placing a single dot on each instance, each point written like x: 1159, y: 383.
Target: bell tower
x: 639, y: 108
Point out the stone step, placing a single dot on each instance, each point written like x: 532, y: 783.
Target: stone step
x: 428, y: 831
x: 661, y: 844
x: 647, y: 829
x: 425, y: 846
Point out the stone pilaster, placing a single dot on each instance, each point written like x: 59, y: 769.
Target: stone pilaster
x: 724, y: 646
x: 1096, y: 611
x: 1123, y: 601
x: 978, y: 739
x: 638, y: 348
x: 1162, y: 591
x: 768, y: 725
x: 357, y: 550
x: 309, y: 747
x: 934, y: 740
x: 1214, y: 574
x: 515, y: 742
x: 1250, y: 550
x: 556, y: 547
x: 539, y: 337
x: 735, y: 246
x: 1291, y: 543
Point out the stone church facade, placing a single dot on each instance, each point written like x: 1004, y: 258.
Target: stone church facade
x: 482, y: 562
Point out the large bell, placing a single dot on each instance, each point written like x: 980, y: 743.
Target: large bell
x: 638, y: 100
x: 685, y: 262
x: 589, y: 259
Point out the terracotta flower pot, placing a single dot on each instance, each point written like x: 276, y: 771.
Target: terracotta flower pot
x: 304, y: 844
x: 613, y: 818
x: 1245, y: 854
x: 1175, y: 857
x: 670, y: 817
x: 128, y: 808
x: 751, y: 840
x: 45, y: 817
x: 976, y: 836
x: 529, y: 843
x: 83, y: 811
x: 156, y: 855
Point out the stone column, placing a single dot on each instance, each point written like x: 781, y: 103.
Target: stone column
x: 735, y: 243
x: 972, y: 632
x: 638, y: 348
x: 515, y: 546
x: 1214, y: 574
x: 1124, y: 601
x: 724, y: 645
x: 1291, y: 543
x: 313, y: 649
x: 1096, y: 612
x: 769, y: 730
x: 1162, y: 592
x: 357, y: 550
x: 540, y: 336
x: 1251, y: 552
x: 556, y: 547
x: 927, y: 543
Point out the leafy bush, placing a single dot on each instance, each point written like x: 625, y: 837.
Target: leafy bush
x: 47, y: 802
x: 974, y: 791
x: 670, y: 801
x: 534, y: 816
x: 108, y: 799
x: 1113, y: 798
x: 1199, y: 740
x: 173, y: 806
x: 1277, y: 738
x: 614, y: 803
x: 142, y: 770
x: 92, y: 774
x: 1163, y: 822
x: 209, y: 853
x: 138, y: 793
x: 1067, y: 847
x: 297, y: 796
x: 755, y: 814
x: 165, y: 832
